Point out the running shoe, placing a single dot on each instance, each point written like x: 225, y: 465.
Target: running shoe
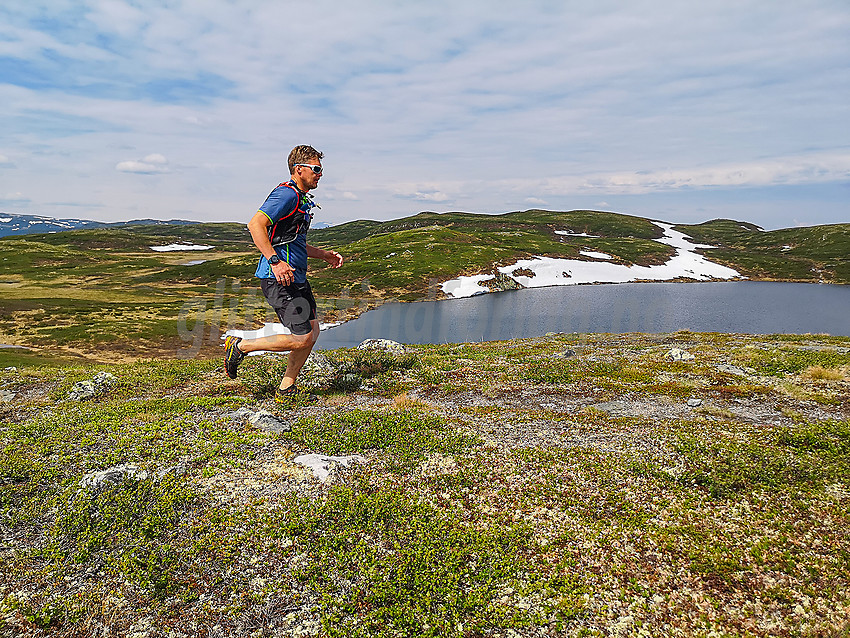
x: 232, y: 355
x: 293, y: 395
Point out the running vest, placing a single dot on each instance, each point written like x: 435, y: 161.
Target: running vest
x: 286, y: 229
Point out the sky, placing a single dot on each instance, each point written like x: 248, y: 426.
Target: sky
x: 674, y: 110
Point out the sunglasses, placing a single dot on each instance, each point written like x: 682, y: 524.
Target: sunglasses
x: 314, y: 167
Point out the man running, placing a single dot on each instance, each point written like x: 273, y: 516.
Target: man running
x: 279, y: 230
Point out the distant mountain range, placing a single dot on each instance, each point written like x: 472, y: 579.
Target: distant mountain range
x: 14, y: 224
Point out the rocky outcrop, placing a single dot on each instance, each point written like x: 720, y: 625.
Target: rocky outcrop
x: 500, y: 282
x: 261, y: 419
x: 84, y: 390
x: 677, y: 354
x: 318, y: 369
x: 100, y: 479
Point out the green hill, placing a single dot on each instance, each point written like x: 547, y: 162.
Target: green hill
x: 813, y: 253
x: 103, y: 292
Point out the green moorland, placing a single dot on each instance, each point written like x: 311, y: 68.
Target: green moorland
x: 568, y: 485
x: 104, y: 294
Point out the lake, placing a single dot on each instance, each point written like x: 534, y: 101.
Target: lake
x: 743, y: 306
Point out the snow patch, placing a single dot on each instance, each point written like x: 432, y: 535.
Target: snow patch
x: 466, y: 286
x: 594, y: 254
x: 569, y: 233
x: 176, y: 247
x: 686, y: 263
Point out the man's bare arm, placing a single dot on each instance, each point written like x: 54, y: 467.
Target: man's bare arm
x: 331, y: 256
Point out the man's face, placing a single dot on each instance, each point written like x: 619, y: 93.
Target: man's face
x: 305, y: 177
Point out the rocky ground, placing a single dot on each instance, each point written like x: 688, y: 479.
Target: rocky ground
x: 572, y: 485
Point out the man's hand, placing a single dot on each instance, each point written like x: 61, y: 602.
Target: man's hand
x: 333, y: 258
x: 284, y: 273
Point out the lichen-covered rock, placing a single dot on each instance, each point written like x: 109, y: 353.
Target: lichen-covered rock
x: 739, y: 372
x: 317, y: 371
x: 101, y: 478
x: 98, y: 479
x: 501, y: 281
x: 566, y: 354
x: 265, y: 420
x: 381, y: 344
x: 84, y: 390
x: 677, y: 354
x: 261, y: 419
x: 322, y: 465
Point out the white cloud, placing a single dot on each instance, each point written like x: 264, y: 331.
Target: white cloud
x: 350, y: 196
x: 536, y: 201
x: 424, y: 195
x: 805, y: 169
x: 154, y: 163
x: 118, y: 17
x: 155, y: 158
x: 16, y: 198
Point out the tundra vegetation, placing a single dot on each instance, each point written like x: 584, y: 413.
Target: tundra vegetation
x: 567, y: 485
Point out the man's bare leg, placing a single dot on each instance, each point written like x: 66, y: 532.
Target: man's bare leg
x: 298, y: 346
x: 274, y: 343
x: 297, y: 358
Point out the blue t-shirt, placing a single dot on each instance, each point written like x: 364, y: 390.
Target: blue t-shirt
x: 283, y: 206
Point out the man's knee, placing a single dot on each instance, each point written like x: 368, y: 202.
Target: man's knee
x: 303, y: 341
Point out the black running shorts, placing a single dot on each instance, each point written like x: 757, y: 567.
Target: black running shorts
x: 294, y: 304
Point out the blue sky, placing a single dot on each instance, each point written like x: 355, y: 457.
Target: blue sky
x: 679, y: 111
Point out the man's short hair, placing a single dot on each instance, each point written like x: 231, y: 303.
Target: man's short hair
x: 302, y: 155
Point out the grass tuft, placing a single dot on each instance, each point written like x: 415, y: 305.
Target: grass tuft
x: 819, y: 373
